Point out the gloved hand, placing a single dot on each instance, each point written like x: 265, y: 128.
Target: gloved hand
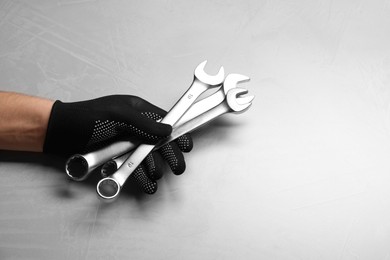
x: 84, y: 126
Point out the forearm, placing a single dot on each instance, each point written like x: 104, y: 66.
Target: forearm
x: 23, y: 121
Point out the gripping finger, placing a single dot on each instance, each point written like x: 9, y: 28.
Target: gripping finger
x: 154, y: 165
x: 185, y: 143
x: 143, y: 181
x: 174, y: 157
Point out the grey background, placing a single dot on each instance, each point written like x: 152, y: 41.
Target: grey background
x: 304, y: 174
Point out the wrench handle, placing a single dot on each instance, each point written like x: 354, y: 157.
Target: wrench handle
x: 202, y: 106
x: 185, y: 102
x: 195, y: 123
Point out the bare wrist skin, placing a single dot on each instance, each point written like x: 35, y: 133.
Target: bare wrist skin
x: 23, y: 121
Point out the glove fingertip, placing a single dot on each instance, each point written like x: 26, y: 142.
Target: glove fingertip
x: 146, y: 184
x: 153, y: 166
x: 174, y: 158
x: 185, y: 143
x: 164, y: 130
x: 180, y: 169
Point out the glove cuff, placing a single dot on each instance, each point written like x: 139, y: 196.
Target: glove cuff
x: 59, y: 137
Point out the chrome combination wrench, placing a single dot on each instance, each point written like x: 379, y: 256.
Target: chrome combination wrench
x: 109, y: 188
x: 217, y: 105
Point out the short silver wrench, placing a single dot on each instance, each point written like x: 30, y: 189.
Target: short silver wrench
x: 109, y: 188
x: 191, y: 121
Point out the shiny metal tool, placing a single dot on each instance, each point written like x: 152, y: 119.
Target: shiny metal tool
x: 79, y: 166
x: 233, y: 103
x: 108, y: 188
x: 190, y: 121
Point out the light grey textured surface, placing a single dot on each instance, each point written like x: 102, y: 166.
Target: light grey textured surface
x: 304, y: 174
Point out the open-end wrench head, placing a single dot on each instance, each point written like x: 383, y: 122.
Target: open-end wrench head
x: 232, y: 80
x: 233, y: 97
x: 212, y: 80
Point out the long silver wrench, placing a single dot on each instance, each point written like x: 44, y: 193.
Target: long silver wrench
x: 109, y: 188
x: 79, y: 166
x: 189, y: 122
x: 233, y: 104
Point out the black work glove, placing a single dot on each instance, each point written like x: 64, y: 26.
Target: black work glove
x: 84, y: 126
